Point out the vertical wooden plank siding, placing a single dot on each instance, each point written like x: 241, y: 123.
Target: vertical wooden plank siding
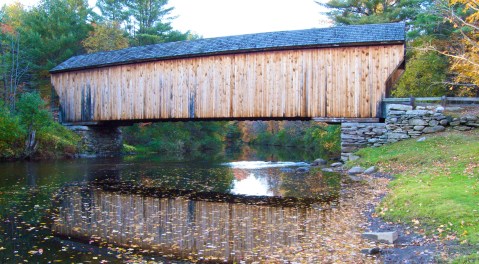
x: 327, y: 82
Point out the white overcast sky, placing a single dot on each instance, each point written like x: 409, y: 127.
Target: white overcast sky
x: 214, y: 18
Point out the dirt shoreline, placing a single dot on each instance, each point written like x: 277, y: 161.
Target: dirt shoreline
x: 412, y: 246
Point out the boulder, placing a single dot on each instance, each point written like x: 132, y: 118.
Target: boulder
x: 462, y: 128
x: 419, y: 128
x: 417, y: 122
x: 471, y: 118
x: 327, y: 170
x: 388, y: 237
x: 302, y: 169
x: 353, y: 157
x: 398, y: 107
x: 355, y: 170
x: 336, y: 164
x: 421, y: 139
x: 417, y: 112
x: 435, y: 129
x: 443, y: 122
x: 355, y: 178
x: 318, y: 162
x: 455, y: 123
x: 433, y: 123
x: 370, y: 170
x: 371, y: 251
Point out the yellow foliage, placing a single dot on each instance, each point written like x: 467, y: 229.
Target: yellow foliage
x: 105, y: 37
x: 466, y: 55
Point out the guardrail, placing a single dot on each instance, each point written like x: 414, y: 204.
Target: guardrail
x: 443, y: 100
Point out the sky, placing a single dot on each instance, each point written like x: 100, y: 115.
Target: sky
x: 215, y: 18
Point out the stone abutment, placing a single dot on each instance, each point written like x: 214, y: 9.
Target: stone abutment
x: 99, y: 141
x: 402, y: 122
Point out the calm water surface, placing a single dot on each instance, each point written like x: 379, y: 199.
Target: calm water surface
x: 244, y: 205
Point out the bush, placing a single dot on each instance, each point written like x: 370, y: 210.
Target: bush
x: 318, y: 138
x: 31, y: 132
x: 12, y: 134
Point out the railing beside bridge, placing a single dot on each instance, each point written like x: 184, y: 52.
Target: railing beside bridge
x: 443, y: 100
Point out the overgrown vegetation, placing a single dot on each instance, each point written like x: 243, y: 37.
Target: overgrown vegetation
x: 183, y: 137
x: 179, y: 137
x: 31, y: 132
x: 311, y: 136
x: 437, y: 184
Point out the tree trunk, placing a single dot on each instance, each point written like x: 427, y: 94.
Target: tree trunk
x: 30, y: 144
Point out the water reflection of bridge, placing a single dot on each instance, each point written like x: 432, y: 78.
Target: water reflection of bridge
x: 188, y: 227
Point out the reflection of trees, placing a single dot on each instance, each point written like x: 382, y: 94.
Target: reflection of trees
x: 218, y: 179
x: 272, y: 153
x: 314, y: 184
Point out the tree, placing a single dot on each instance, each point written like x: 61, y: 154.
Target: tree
x: 51, y: 33
x: 104, y: 37
x: 425, y: 76
x: 34, y: 115
x: 146, y: 21
x: 464, y: 15
x: 351, y: 12
x: 152, y: 22
x: 113, y: 10
x: 13, y: 66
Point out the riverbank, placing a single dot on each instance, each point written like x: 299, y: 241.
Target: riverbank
x: 435, y: 191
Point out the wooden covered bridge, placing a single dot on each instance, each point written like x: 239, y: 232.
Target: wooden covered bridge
x: 328, y: 74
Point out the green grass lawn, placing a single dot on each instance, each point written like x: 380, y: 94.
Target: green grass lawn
x: 436, y: 185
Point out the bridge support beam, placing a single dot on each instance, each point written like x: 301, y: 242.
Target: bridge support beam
x: 99, y: 141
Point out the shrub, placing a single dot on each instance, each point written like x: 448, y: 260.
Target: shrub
x: 12, y: 135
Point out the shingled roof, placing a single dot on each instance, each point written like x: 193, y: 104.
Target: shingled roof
x: 308, y: 38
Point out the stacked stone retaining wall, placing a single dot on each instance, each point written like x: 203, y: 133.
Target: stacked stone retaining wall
x: 402, y: 122
x: 99, y: 141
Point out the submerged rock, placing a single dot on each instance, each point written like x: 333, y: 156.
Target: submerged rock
x: 318, y: 162
x: 371, y: 251
x: 302, y: 169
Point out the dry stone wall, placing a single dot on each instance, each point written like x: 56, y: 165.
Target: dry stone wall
x: 99, y: 141
x: 402, y: 122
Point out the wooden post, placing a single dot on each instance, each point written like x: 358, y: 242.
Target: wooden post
x: 412, y: 102
x: 443, y: 101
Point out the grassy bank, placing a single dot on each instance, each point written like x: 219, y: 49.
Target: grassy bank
x: 436, y: 185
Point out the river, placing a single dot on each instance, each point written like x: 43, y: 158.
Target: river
x: 243, y: 205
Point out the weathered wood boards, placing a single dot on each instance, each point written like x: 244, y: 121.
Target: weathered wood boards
x: 337, y: 82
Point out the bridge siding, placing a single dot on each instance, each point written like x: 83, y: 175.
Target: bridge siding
x: 327, y: 82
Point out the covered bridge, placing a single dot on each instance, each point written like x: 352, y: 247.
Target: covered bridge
x: 336, y: 73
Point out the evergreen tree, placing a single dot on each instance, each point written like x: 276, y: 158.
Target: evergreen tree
x: 113, y: 10
x: 146, y: 21
x: 351, y: 12
x: 152, y: 22
x: 52, y: 32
